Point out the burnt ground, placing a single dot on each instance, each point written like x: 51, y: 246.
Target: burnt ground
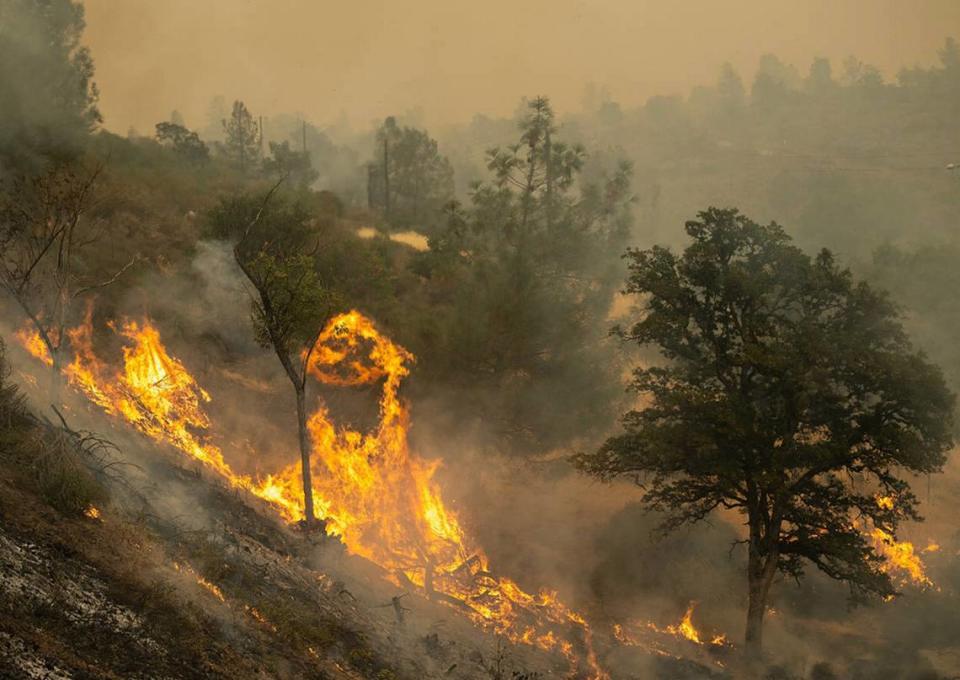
x: 181, y: 577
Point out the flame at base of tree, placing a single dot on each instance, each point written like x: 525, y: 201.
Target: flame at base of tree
x: 376, y: 495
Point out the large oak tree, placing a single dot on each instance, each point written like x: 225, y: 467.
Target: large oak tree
x: 789, y: 393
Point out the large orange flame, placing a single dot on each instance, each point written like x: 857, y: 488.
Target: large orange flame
x: 900, y: 556
x: 377, y: 496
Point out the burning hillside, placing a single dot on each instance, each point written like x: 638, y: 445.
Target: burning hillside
x: 374, y: 494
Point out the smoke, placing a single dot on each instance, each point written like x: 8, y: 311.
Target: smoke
x: 377, y: 59
x: 47, y: 95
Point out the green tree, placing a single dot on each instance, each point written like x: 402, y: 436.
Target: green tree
x: 241, y: 137
x: 789, y: 393
x: 409, y: 181
x: 275, y: 248
x: 294, y: 165
x: 525, y: 273
x: 184, y: 142
x: 48, y: 100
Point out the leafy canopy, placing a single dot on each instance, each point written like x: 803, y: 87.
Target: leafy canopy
x: 278, y: 255
x: 790, y: 392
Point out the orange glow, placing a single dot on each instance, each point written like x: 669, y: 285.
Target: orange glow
x: 685, y: 628
x: 211, y: 588
x: 377, y: 496
x: 34, y: 344
x: 92, y: 512
x: 900, y: 556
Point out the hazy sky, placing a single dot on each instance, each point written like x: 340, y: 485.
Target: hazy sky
x: 454, y: 58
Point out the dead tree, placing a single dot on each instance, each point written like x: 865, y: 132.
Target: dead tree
x: 43, y: 236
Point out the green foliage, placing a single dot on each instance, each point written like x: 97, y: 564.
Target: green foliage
x: 294, y: 165
x: 418, y: 182
x: 276, y: 247
x: 185, y: 143
x: 784, y: 381
x: 47, y: 95
x: 520, y: 282
x: 242, y: 137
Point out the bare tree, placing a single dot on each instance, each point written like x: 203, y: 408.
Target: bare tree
x: 44, y: 234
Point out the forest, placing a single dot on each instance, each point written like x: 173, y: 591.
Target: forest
x: 656, y: 391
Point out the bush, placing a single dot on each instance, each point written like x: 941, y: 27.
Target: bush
x: 12, y: 409
x: 61, y: 475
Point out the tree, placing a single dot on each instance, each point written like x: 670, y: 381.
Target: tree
x: 242, y: 137
x: 48, y: 100
x: 386, y: 136
x: 295, y: 165
x: 527, y: 272
x: 789, y: 393
x: 184, y: 142
x: 45, y: 237
x: 409, y: 181
x: 290, y: 303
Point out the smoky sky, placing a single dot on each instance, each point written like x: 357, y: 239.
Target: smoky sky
x: 455, y: 58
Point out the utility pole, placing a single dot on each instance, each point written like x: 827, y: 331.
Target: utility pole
x: 386, y: 172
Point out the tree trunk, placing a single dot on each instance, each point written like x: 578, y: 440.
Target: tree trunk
x: 309, y: 517
x: 760, y: 573
x: 548, y: 165
x: 56, y: 377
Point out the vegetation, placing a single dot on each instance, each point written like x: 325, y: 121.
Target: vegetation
x: 790, y: 394
x: 243, y: 139
x: 409, y: 182
x: 521, y: 281
x: 291, y: 306
x: 774, y: 383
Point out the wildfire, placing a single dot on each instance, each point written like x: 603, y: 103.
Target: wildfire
x: 900, y: 556
x: 34, y: 344
x: 652, y: 638
x: 377, y: 496
x: 92, y: 512
x: 211, y: 588
x: 381, y: 499
x: 686, y: 630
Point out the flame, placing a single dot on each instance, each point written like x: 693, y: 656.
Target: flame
x: 656, y: 640
x: 900, y: 556
x: 92, y: 512
x: 377, y: 496
x: 212, y: 588
x: 383, y: 502
x: 34, y: 344
x: 686, y: 628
